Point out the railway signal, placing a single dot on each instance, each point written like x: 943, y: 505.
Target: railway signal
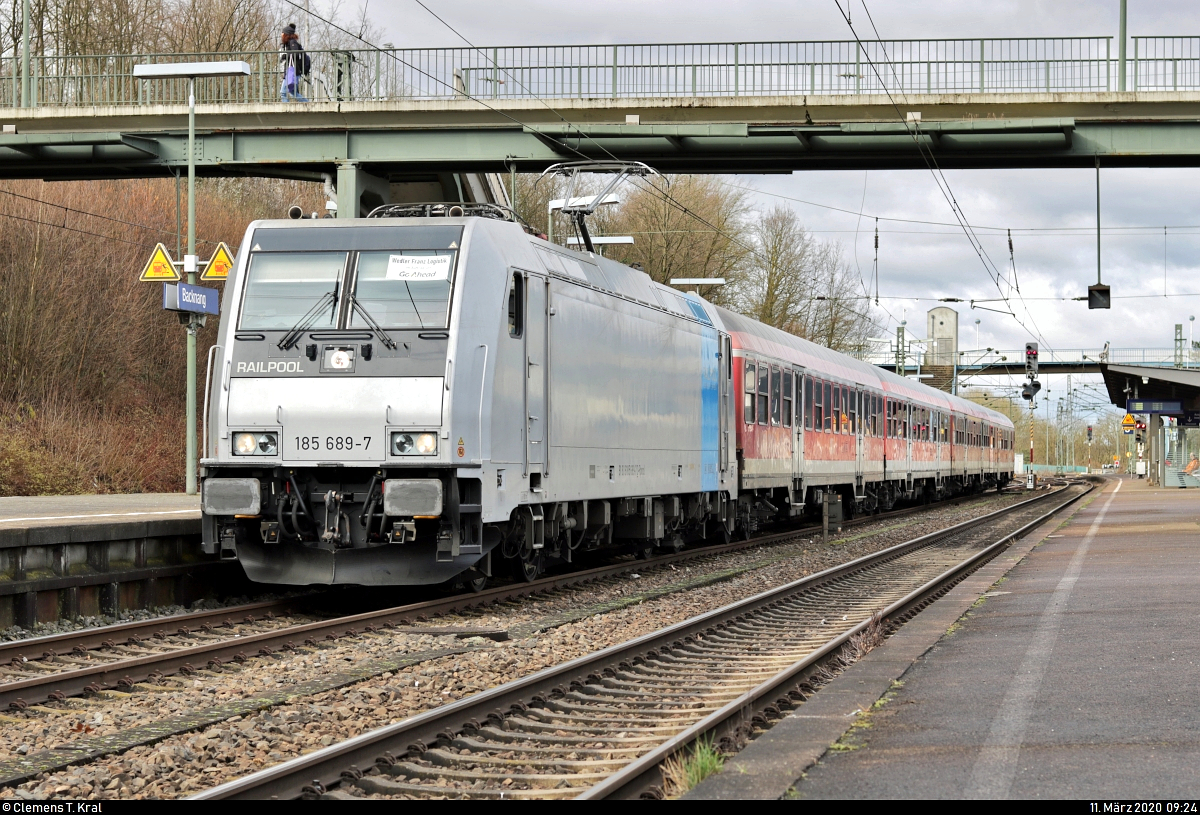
x: 1030, y: 390
x: 1031, y: 359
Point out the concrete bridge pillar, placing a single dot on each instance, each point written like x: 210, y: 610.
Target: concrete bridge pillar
x: 359, y: 192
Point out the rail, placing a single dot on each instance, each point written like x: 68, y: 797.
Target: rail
x: 675, y: 70
x: 376, y: 750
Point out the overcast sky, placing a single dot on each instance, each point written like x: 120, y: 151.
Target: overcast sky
x: 924, y: 261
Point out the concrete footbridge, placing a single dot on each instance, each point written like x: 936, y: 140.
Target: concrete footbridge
x: 376, y: 115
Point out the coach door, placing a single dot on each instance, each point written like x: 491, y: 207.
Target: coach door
x: 859, y: 417
x: 536, y: 367
x: 798, y: 430
x: 725, y: 407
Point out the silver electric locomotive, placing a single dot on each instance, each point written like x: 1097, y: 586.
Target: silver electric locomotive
x: 434, y: 393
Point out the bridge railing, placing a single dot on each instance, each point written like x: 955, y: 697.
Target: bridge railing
x: 1165, y: 64
x: 1080, y: 64
x: 977, y: 360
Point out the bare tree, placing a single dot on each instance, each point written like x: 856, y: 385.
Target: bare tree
x: 685, y: 226
x: 801, y: 285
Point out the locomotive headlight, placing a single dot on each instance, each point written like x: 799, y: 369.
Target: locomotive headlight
x: 255, y: 444
x: 268, y: 444
x: 245, y: 444
x: 427, y: 444
x: 341, y: 360
x: 414, y: 444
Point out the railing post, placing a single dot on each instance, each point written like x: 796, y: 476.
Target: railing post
x: 1047, y: 75
x: 1135, y: 63
x: 736, y: 63
x: 693, y: 79
x: 857, y: 67
x: 1121, y: 51
x: 262, y: 79
x: 981, y: 66
x: 1108, y: 62
x: 812, y: 78
x: 614, y: 73
x: 1175, y: 74
x: 378, y: 72
x: 495, y: 73
x: 928, y: 77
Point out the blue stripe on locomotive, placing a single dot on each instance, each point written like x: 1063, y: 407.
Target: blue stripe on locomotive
x: 710, y: 431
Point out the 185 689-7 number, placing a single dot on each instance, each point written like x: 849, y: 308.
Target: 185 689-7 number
x: 333, y: 442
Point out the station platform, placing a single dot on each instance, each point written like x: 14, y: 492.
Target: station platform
x: 70, y: 510
x: 84, y: 555
x: 1074, y: 677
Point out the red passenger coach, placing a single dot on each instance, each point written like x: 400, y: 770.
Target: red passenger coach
x: 810, y: 420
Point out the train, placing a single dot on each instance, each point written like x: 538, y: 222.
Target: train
x: 433, y: 394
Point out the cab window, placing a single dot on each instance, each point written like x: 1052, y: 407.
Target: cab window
x: 516, y: 306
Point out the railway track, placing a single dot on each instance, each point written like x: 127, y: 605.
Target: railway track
x: 601, y: 725
x: 119, y: 657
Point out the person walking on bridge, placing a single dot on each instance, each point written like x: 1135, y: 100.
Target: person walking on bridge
x: 295, y: 64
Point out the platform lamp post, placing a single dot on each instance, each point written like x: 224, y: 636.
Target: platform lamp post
x: 190, y: 71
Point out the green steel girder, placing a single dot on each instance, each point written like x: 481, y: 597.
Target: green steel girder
x: 696, y: 148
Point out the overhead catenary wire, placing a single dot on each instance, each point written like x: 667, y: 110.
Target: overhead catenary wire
x: 931, y: 162
x: 644, y: 185
x: 70, y: 229
x: 159, y: 229
x: 463, y: 92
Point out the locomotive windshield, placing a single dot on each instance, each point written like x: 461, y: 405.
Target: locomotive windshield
x: 408, y: 289
x: 283, y: 286
x: 400, y: 276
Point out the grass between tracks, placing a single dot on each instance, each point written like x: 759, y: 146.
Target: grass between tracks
x: 682, y: 773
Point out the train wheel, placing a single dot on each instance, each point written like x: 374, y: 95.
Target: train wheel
x: 644, y: 551
x: 477, y: 585
x: 528, y: 569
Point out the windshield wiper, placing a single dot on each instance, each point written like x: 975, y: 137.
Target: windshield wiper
x: 374, y: 326
x: 310, y: 317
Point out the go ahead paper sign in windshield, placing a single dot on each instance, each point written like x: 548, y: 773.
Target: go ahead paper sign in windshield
x: 418, y: 267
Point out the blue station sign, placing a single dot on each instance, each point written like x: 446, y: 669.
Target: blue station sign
x: 196, y: 299
x: 1153, y: 406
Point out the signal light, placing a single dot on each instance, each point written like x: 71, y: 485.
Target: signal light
x: 1031, y: 358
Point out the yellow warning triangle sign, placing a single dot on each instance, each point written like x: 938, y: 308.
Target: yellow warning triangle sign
x: 160, y: 268
x: 1128, y: 421
x: 220, y: 264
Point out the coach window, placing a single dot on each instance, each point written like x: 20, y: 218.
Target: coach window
x: 749, y: 375
x: 846, y: 394
x: 835, y: 410
x: 776, y: 396
x: 764, y: 384
x: 787, y: 398
x: 855, y: 396
x: 819, y: 397
x: 516, y: 305
x: 808, y: 403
